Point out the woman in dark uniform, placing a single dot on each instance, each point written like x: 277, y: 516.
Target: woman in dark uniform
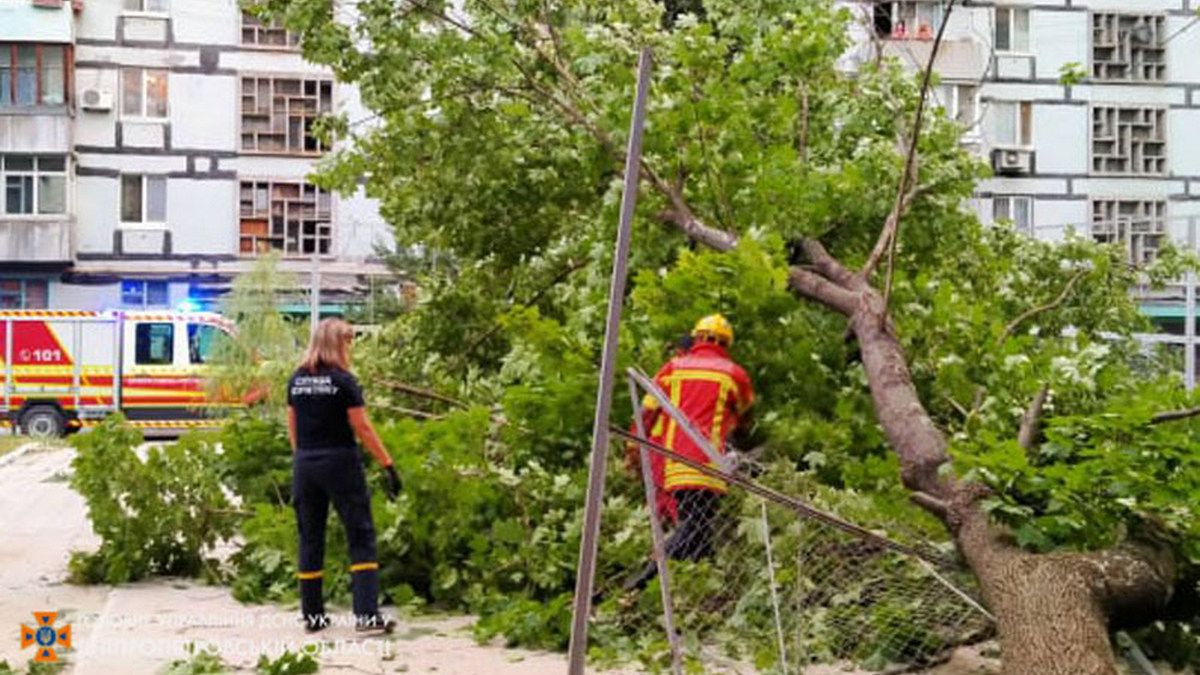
x: 325, y: 413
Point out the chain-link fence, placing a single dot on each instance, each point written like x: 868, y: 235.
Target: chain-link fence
x: 762, y: 582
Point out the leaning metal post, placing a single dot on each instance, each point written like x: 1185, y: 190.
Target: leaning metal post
x: 585, y: 575
x: 1189, y: 314
x: 718, y: 461
x: 656, y: 532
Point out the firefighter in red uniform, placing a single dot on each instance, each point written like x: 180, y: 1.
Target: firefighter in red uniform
x: 714, y: 393
x: 664, y: 502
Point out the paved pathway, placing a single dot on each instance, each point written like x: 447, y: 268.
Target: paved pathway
x: 139, y: 628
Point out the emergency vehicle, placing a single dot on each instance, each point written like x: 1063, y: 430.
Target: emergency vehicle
x: 63, y: 370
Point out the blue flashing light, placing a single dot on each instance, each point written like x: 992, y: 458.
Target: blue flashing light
x: 188, y: 306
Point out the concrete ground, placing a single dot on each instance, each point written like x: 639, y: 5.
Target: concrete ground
x: 142, y: 627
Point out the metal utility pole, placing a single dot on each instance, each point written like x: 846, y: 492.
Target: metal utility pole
x: 585, y: 574
x: 1189, y: 315
x: 314, y: 295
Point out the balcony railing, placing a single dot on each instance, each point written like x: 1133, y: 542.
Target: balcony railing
x: 35, y: 240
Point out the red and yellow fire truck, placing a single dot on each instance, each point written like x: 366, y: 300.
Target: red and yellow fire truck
x: 63, y: 370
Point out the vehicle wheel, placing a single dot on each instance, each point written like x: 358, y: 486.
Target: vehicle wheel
x: 43, y: 421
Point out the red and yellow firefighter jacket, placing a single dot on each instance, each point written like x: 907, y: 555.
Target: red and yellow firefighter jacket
x: 713, y: 392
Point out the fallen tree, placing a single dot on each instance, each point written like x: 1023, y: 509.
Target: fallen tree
x: 495, y: 136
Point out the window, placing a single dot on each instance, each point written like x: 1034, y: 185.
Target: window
x: 959, y: 101
x: 139, y: 294
x: 156, y: 6
x: 1129, y: 140
x: 32, y: 74
x: 202, y: 339
x: 154, y: 344
x: 143, y: 199
x: 278, y: 113
x: 255, y: 32
x: 911, y: 19
x: 1014, y: 209
x: 1139, y: 225
x: 144, y: 93
x: 290, y: 217
x: 1012, y: 30
x: 34, y: 184
x: 23, y: 294
x: 1128, y: 47
x: 1013, y: 123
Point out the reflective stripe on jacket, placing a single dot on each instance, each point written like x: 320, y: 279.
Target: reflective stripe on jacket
x: 713, y: 392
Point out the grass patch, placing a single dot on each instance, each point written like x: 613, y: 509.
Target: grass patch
x: 10, y: 443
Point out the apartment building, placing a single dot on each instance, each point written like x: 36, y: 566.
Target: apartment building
x: 1111, y: 152
x: 169, y: 150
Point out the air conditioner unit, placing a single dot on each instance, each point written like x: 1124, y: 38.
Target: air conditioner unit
x: 1012, y: 161
x: 96, y: 99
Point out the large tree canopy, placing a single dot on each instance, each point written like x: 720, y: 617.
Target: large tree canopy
x: 495, y: 136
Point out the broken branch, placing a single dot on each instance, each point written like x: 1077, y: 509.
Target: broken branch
x: 887, y: 237
x: 1012, y: 326
x: 1031, y: 421
x: 1173, y: 415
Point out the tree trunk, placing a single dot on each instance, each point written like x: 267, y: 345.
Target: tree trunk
x: 1052, y: 611
x: 1048, y: 616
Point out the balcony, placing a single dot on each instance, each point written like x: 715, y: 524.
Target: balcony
x: 39, y: 240
x: 961, y: 59
x: 41, y: 130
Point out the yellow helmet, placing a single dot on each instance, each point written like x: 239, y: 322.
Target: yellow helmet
x: 714, y: 325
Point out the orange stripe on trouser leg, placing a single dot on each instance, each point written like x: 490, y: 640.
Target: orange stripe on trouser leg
x: 363, y: 567
x: 306, y: 576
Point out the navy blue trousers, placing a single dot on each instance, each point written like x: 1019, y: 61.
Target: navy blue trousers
x: 318, y: 478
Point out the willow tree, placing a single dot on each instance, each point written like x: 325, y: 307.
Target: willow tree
x: 996, y: 371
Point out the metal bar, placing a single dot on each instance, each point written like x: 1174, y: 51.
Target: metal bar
x: 682, y: 420
x: 656, y: 532
x: 119, y: 363
x: 1189, y: 315
x: 314, y: 296
x: 783, y: 660
x: 589, y: 541
x: 786, y: 501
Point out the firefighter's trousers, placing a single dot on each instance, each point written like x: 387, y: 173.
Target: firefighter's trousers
x: 334, y: 475
x: 693, y: 538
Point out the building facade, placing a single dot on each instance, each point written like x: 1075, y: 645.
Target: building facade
x: 169, y: 156
x: 1085, y: 109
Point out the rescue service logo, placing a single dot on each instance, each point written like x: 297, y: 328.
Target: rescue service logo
x: 46, y: 637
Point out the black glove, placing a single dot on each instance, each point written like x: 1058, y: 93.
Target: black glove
x: 393, y: 482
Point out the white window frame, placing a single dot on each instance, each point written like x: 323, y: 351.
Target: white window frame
x: 953, y: 107
x: 140, y: 115
x: 1024, y: 137
x: 36, y: 173
x: 141, y: 9
x: 145, y: 223
x: 1014, y: 46
x: 911, y: 9
x: 1011, y: 210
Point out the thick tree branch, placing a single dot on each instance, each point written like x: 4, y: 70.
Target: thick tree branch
x: 816, y: 287
x: 1031, y: 421
x: 829, y: 266
x: 1013, y: 325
